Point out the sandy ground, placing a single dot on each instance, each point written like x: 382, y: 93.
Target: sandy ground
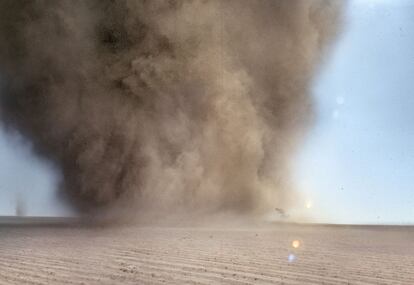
x: 142, y: 255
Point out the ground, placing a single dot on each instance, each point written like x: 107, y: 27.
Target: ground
x: 73, y: 254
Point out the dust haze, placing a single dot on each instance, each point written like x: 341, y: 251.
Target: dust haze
x: 165, y: 106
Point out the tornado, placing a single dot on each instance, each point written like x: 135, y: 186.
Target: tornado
x: 166, y: 106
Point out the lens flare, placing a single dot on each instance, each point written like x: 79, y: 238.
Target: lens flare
x: 291, y: 258
x: 295, y: 244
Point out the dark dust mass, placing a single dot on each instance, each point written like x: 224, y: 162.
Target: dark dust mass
x: 143, y: 105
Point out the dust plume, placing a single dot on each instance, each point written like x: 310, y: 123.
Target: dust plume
x: 167, y: 106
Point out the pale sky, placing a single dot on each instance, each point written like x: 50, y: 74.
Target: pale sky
x: 24, y: 175
x: 357, y: 163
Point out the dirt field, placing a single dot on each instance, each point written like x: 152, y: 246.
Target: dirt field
x: 325, y: 255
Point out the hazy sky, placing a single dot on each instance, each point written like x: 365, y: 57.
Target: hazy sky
x: 26, y: 176
x: 357, y: 163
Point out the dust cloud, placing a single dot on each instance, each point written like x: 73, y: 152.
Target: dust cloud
x: 165, y: 106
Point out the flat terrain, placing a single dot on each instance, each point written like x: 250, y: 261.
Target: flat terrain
x: 70, y: 254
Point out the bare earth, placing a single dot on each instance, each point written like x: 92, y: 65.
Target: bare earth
x: 136, y: 255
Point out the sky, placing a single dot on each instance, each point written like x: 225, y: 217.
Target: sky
x: 28, y: 178
x: 357, y: 160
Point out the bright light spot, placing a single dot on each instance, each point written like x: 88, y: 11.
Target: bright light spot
x: 340, y: 100
x: 295, y: 244
x: 335, y: 114
x: 291, y: 258
x: 308, y: 204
